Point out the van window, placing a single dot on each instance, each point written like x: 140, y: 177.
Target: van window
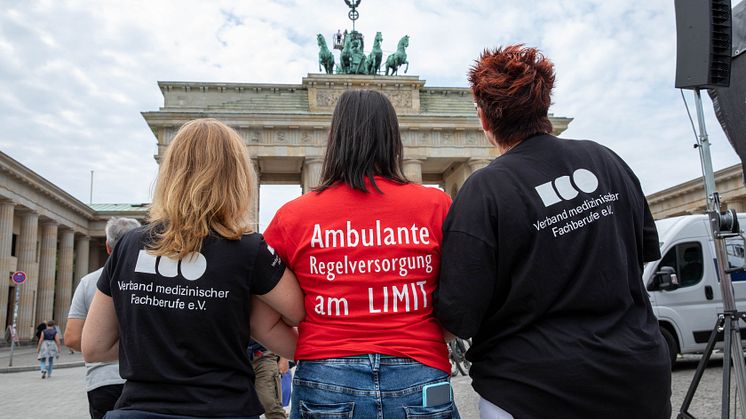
x: 734, y: 248
x: 686, y: 260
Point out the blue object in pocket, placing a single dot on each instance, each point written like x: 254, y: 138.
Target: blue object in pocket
x: 436, y: 394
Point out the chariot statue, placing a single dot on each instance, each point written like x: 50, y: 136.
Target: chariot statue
x: 352, y: 58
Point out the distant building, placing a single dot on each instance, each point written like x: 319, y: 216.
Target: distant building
x: 52, y: 237
x: 689, y: 197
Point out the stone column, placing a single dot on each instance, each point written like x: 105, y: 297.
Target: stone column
x: 413, y: 170
x: 26, y: 253
x: 47, y: 269
x: 7, y: 209
x: 311, y: 175
x: 82, y: 254
x: 476, y: 164
x: 254, y: 210
x: 64, y: 289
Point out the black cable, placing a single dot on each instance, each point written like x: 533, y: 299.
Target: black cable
x: 689, y: 114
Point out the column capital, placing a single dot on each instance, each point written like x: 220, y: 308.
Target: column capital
x: 26, y: 212
x: 477, y: 163
x: 313, y: 159
x: 413, y: 169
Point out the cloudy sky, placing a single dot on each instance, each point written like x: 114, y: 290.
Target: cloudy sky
x: 75, y: 75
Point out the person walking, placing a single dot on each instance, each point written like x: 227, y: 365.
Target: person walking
x: 266, y: 365
x: 103, y: 383
x: 48, y: 349
x: 542, y: 262
x: 178, y: 299
x: 365, y: 245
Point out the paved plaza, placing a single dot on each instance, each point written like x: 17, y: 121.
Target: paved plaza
x: 26, y: 395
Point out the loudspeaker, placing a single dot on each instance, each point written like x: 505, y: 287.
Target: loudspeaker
x: 730, y: 102
x: 703, y: 43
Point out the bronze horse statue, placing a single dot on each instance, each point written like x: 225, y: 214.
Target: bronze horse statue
x: 374, y: 59
x: 326, y: 58
x: 345, y: 57
x: 395, y: 60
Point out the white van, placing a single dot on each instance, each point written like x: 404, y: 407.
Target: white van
x: 687, y: 311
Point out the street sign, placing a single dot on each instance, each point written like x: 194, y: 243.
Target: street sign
x: 19, y: 277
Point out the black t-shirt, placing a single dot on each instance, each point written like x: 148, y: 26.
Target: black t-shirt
x: 184, y: 325
x: 542, y: 261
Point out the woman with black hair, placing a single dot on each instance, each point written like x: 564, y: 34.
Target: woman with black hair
x: 365, y: 247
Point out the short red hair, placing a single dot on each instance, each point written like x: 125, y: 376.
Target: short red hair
x: 513, y: 87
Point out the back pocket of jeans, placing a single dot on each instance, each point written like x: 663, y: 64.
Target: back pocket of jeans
x: 443, y: 411
x: 326, y: 411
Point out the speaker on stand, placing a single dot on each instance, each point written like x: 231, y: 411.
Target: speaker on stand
x: 703, y: 61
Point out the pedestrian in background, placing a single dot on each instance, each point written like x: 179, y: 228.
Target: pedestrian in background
x: 102, y: 381
x: 48, y: 349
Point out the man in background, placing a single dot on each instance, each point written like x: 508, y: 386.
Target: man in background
x: 268, y: 367
x: 103, y: 383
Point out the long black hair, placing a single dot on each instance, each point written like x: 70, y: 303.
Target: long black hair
x: 364, y: 142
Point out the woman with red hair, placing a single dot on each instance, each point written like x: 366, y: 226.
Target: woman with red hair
x: 542, y: 261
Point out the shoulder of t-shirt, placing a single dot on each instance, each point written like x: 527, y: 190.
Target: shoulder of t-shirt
x: 429, y: 193
x: 135, y: 237
x: 84, y: 295
x: 251, y: 239
x: 608, y: 152
x: 295, y: 207
x: 90, y: 277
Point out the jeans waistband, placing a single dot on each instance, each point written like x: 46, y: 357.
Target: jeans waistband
x: 366, y: 356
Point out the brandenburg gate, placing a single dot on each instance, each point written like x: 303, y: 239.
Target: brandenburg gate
x: 285, y: 126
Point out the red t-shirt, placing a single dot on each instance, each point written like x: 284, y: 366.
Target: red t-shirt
x: 368, y: 265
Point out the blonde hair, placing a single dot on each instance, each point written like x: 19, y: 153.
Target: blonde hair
x: 206, y: 182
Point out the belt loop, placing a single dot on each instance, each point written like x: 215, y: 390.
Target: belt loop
x: 375, y: 360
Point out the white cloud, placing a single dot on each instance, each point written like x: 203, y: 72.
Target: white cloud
x: 76, y: 75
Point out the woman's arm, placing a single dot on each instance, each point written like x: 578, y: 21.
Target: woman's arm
x: 57, y: 342
x: 287, y: 299
x: 100, y: 342
x: 269, y: 329
x: 41, y: 339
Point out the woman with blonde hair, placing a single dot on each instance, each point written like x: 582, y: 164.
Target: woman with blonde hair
x: 176, y: 298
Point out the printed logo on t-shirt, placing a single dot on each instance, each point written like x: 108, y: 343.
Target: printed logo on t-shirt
x: 155, y: 292
x: 192, y: 267
x: 566, y: 188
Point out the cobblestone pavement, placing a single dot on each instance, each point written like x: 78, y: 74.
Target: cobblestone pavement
x: 26, y: 395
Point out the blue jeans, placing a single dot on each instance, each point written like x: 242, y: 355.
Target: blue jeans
x: 366, y: 388
x: 47, y: 364
x: 139, y: 414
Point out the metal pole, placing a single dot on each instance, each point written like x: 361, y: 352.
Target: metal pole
x: 90, y: 200
x: 15, y: 320
x: 726, y: 286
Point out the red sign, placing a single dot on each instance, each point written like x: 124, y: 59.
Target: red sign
x: 19, y: 277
